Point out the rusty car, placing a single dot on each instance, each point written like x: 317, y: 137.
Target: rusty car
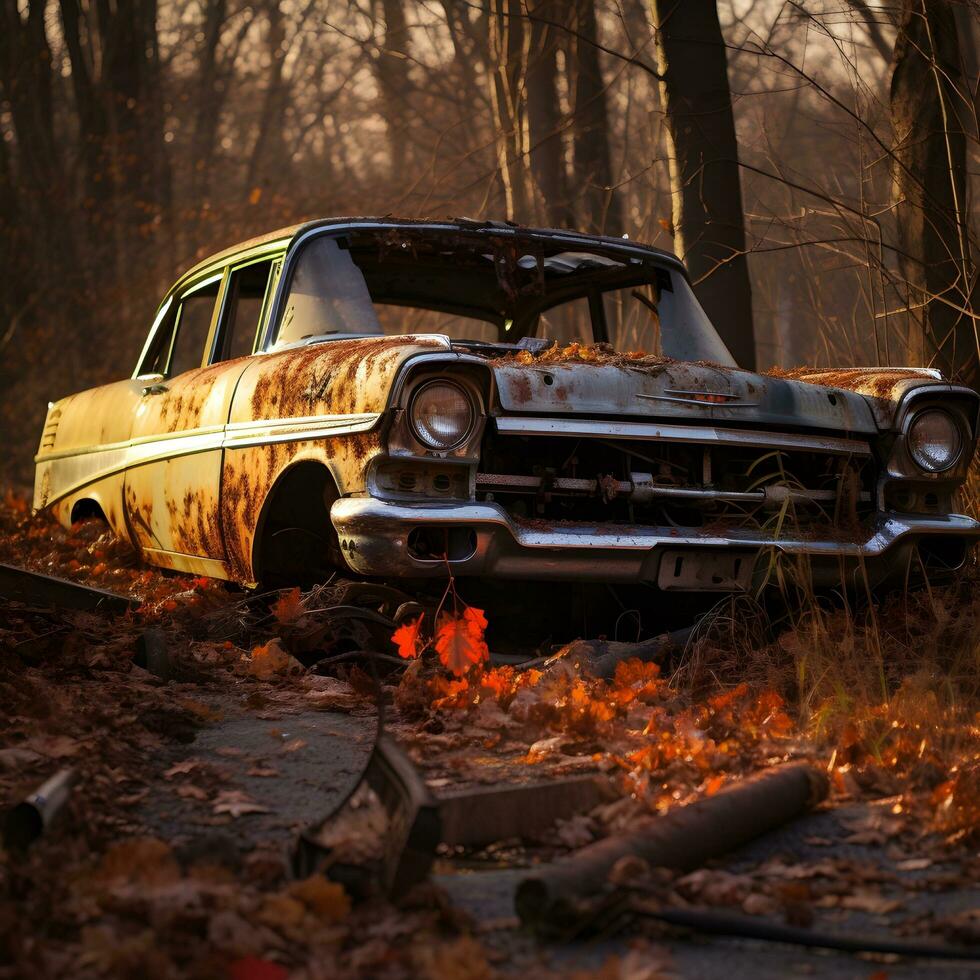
x: 410, y: 398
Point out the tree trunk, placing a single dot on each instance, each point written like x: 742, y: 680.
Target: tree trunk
x: 547, y: 156
x: 210, y: 96
x: 602, y: 210
x: 507, y: 65
x: 930, y: 184
x: 26, y: 87
x: 391, y: 66
x: 702, y: 154
x: 268, y: 156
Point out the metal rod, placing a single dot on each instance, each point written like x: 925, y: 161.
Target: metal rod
x: 641, y: 491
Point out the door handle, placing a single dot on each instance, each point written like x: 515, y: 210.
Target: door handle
x: 155, y: 389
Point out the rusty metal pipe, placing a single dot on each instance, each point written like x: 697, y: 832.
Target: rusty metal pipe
x: 683, y: 839
x: 30, y: 818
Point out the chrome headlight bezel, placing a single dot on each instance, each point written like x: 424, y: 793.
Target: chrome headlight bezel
x: 418, y: 430
x: 955, y: 442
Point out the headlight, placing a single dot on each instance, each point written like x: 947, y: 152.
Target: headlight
x: 934, y: 440
x: 441, y: 414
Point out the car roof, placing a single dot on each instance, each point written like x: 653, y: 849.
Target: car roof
x: 291, y: 232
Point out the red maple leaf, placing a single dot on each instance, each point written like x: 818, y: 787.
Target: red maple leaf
x: 288, y: 607
x: 459, y: 641
x: 407, y: 638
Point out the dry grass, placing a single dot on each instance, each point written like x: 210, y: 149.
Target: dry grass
x: 888, y: 691
x: 968, y: 498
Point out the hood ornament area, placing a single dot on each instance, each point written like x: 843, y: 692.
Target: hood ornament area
x: 728, y: 399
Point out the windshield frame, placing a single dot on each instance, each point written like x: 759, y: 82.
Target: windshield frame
x: 620, y: 248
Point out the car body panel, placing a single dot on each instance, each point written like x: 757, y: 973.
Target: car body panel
x: 172, y: 500
x: 85, y: 450
x: 674, y: 390
x: 186, y: 467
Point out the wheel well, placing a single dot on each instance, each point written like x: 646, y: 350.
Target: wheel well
x: 86, y: 508
x: 295, y: 541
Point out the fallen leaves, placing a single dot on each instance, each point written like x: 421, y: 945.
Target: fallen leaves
x: 147, y: 861
x: 459, y: 640
x: 407, y: 638
x: 659, y: 742
x: 270, y: 660
x: 460, y: 643
x: 288, y: 607
x: 54, y: 746
x: 236, y: 803
x: 326, y: 899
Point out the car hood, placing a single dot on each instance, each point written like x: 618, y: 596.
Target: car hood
x: 665, y: 389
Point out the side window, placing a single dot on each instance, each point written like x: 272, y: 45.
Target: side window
x: 566, y: 322
x: 184, y: 324
x: 244, y: 309
x: 193, y: 326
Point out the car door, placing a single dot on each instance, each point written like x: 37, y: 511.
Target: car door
x: 172, y: 495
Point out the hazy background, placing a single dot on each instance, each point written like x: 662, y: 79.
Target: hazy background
x: 139, y: 136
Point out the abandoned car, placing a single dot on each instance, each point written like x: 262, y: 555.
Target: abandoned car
x: 401, y: 398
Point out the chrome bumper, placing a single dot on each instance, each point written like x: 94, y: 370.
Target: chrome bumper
x: 374, y: 538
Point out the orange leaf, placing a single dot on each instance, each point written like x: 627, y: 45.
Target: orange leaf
x: 459, y: 641
x: 476, y: 620
x: 407, y: 639
x: 268, y: 660
x: 714, y: 784
x: 288, y: 607
x: 326, y: 898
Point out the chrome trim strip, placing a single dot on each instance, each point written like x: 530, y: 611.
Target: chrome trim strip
x: 702, y: 402
x: 241, y: 434
x: 696, y: 394
x: 108, y: 447
x: 213, y: 567
x: 71, y: 469
x: 698, y: 434
x: 370, y: 517
x: 303, y: 420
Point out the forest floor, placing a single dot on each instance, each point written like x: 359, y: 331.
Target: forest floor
x: 194, y: 780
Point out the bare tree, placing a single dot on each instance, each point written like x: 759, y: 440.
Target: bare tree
x: 268, y: 156
x: 929, y: 105
x: 702, y: 154
x: 391, y: 65
x: 601, y: 208
x: 547, y: 155
x: 507, y: 39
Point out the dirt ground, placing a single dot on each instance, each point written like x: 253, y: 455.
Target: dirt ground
x: 196, y: 771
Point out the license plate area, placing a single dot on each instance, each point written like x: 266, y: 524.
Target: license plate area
x: 702, y: 570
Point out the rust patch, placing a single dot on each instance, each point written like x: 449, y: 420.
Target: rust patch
x: 140, y: 516
x: 251, y: 473
x: 336, y: 377
x: 576, y: 353
x: 194, y: 524
x: 875, y: 382
x: 520, y: 386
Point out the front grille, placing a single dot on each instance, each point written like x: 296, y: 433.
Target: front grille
x: 674, y: 484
